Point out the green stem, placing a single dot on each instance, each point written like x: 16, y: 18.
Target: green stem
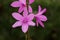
x: 27, y: 36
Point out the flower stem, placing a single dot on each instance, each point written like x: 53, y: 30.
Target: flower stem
x: 27, y: 36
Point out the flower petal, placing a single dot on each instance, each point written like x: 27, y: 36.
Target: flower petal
x: 41, y: 23
x: 25, y: 13
x: 15, y: 4
x: 18, y: 23
x: 31, y: 23
x: 43, y: 11
x: 21, y: 9
x: 39, y: 8
x: 31, y: 1
x: 30, y: 17
x: 17, y: 16
x: 23, y: 1
x: 43, y: 18
x: 25, y: 28
x: 30, y: 9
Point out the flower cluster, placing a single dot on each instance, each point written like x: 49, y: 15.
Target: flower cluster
x: 25, y: 19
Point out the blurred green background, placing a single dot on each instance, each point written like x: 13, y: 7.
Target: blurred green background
x: 52, y: 25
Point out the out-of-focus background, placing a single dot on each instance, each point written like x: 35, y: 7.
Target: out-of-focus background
x: 52, y: 25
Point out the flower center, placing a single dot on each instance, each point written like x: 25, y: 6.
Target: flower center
x: 25, y: 20
x: 24, y: 5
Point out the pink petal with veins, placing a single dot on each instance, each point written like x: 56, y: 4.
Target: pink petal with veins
x: 31, y: 23
x: 21, y: 9
x: 18, y: 23
x: 41, y: 24
x: 42, y: 12
x: 17, y: 16
x: 30, y: 9
x: 31, y: 16
x: 25, y: 13
x: 15, y: 4
x: 42, y: 18
x: 23, y: 1
x: 39, y: 8
x: 25, y: 28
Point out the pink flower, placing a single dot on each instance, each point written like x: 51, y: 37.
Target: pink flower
x: 25, y: 21
x: 21, y: 4
x: 40, y: 17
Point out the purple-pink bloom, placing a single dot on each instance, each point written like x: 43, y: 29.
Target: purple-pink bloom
x: 21, y: 4
x: 25, y: 21
x: 40, y: 17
